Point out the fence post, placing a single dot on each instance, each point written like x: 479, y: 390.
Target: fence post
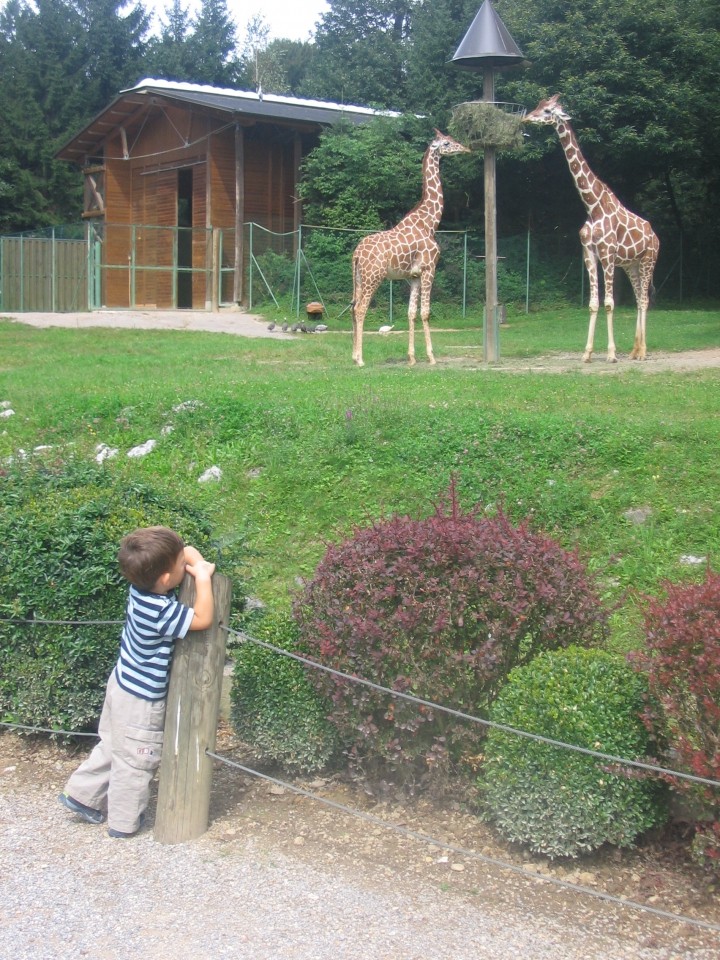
x: 193, y: 705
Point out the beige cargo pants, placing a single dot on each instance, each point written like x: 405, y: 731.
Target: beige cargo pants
x: 117, y: 774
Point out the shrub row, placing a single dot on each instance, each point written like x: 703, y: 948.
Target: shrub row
x: 471, y: 612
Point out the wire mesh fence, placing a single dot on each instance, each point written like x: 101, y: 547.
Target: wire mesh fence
x: 91, y: 265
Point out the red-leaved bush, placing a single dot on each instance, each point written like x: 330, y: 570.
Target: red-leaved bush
x: 442, y: 608
x: 682, y: 662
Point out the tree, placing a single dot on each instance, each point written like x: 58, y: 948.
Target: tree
x: 638, y: 78
x: 213, y: 46
x: 361, y: 51
x: 170, y: 55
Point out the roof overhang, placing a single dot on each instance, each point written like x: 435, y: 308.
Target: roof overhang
x: 244, y: 105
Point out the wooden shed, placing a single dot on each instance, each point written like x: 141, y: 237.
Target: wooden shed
x: 173, y: 172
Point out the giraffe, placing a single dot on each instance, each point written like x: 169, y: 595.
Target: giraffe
x: 611, y: 235
x: 408, y: 251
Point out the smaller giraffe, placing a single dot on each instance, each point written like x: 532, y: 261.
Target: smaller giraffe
x: 408, y: 251
x: 611, y: 235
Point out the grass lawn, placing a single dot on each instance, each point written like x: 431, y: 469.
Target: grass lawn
x: 310, y: 446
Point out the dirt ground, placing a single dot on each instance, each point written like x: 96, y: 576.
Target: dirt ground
x: 248, y: 325
x: 658, y: 872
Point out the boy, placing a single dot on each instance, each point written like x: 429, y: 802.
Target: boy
x: 118, y: 772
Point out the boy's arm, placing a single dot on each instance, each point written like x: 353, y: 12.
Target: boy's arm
x: 204, y: 605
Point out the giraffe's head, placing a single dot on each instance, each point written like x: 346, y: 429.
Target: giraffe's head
x: 547, y: 111
x: 445, y: 145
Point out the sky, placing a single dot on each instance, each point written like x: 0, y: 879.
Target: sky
x: 291, y: 19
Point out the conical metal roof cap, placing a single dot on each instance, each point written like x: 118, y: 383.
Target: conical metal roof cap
x: 487, y: 43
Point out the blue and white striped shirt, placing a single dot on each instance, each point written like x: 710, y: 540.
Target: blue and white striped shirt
x: 153, y: 623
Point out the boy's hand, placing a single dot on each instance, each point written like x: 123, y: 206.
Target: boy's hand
x: 196, y: 566
x: 201, y: 570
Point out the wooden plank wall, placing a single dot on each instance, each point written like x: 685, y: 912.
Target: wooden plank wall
x: 143, y: 191
x: 42, y: 274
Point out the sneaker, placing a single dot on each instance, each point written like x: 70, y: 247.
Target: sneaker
x: 121, y: 835
x: 88, y: 814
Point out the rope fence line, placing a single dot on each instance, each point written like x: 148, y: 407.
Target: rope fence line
x: 611, y: 758
x: 425, y: 838
x: 420, y: 701
x: 471, y: 854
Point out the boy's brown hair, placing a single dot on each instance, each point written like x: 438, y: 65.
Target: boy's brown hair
x: 146, y: 554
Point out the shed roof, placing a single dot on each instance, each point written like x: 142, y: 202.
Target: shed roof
x: 240, y: 103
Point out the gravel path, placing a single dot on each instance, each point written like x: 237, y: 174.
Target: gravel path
x: 67, y: 890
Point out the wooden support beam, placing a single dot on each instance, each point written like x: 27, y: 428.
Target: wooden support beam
x: 238, y: 291
x: 193, y: 706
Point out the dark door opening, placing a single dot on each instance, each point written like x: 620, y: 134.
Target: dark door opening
x: 184, y: 298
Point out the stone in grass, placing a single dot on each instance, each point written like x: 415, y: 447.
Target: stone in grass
x: 142, y: 449
x: 104, y: 452
x: 211, y: 474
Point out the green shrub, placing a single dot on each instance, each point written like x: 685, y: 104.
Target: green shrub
x: 557, y: 801
x: 275, y: 710
x: 60, y: 528
x: 442, y: 608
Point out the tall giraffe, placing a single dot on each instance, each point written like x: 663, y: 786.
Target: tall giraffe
x: 611, y: 235
x: 408, y: 251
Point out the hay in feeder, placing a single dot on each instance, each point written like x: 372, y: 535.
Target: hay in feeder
x: 480, y: 124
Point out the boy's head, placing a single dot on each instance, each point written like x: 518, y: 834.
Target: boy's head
x: 148, y: 554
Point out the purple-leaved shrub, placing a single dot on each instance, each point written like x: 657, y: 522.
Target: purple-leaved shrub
x: 442, y: 608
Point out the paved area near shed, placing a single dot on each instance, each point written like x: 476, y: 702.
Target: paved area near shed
x: 224, y: 321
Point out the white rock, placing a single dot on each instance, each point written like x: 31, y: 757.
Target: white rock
x: 104, y: 452
x: 167, y: 430
x: 7, y: 412
x: 212, y: 473
x: 688, y: 560
x: 187, y: 405
x: 142, y: 449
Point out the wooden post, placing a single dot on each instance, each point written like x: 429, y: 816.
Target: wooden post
x: 491, y: 349
x: 238, y: 285
x: 193, y: 706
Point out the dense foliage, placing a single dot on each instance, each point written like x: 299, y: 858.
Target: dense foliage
x: 275, y: 709
x: 639, y: 79
x: 682, y: 662
x: 442, y: 608
x: 60, y: 526
x: 559, y: 802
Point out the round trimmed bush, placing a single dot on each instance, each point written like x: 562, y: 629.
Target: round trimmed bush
x: 441, y: 608
x: 559, y: 802
x: 275, y: 709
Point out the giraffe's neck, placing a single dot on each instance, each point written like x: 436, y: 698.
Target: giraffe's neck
x: 591, y: 189
x: 428, y: 212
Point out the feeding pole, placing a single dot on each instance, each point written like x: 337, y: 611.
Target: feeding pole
x: 488, y: 46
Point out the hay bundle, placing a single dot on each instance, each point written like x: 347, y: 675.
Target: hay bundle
x: 480, y: 124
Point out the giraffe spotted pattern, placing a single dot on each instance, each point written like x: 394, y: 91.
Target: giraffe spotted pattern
x: 408, y: 251
x: 611, y: 236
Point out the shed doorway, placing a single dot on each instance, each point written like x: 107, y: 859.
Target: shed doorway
x: 183, y: 291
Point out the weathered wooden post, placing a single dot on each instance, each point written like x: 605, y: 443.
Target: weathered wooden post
x: 191, y: 718
x: 488, y: 46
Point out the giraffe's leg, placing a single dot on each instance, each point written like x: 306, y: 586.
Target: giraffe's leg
x: 358, y: 318
x: 412, y: 313
x: 641, y: 280
x: 609, y: 274
x: 426, y: 282
x: 591, y: 266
